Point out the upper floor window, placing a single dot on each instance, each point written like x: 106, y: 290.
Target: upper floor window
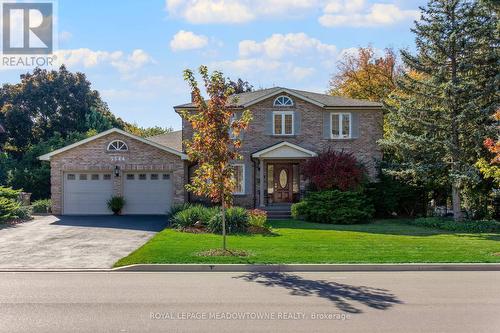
x: 117, y: 145
x: 340, y: 124
x: 232, y: 136
x: 283, y: 101
x: 283, y: 123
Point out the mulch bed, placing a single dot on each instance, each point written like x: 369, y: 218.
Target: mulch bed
x: 259, y: 230
x: 194, y: 230
x: 223, y: 253
x: 14, y: 222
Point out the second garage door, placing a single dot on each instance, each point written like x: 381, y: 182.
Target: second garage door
x: 147, y: 193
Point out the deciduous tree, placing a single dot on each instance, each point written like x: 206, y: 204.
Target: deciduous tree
x: 364, y: 75
x: 212, y: 146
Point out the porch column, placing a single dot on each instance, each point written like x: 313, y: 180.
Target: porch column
x: 261, y: 182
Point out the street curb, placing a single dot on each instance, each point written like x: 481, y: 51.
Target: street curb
x: 306, y: 267
x: 54, y: 270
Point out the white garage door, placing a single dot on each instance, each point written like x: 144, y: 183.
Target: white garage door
x: 87, y: 193
x: 147, y: 193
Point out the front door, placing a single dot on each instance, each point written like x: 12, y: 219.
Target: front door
x: 283, y: 183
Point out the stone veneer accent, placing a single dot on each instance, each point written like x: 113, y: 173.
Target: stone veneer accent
x: 310, y: 136
x: 93, y: 156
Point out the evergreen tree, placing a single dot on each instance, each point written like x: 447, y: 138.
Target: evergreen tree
x: 442, y: 116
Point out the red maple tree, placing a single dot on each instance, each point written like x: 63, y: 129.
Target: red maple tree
x: 334, y: 170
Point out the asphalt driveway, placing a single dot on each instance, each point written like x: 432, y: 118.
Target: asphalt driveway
x: 74, y: 241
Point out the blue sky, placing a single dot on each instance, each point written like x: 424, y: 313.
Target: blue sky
x: 134, y: 51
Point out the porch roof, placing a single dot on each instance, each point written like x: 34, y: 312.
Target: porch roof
x: 282, y: 150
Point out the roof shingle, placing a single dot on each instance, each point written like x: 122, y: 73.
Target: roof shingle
x: 172, y: 140
x: 246, y: 99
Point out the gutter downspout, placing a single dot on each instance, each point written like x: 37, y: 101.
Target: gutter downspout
x: 254, y: 182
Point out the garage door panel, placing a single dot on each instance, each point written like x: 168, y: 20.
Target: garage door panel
x: 147, y: 193
x: 87, y: 193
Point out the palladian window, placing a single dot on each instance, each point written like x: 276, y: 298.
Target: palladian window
x: 283, y: 101
x: 117, y: 145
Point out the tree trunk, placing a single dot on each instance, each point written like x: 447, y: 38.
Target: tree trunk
x: 223, y: 224
x: 456, y: 202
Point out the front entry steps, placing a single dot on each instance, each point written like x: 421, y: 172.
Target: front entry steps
x: 280, y: 211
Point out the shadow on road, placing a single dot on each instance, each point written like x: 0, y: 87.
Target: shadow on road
x: 342, y: 295
x: 132, y: 222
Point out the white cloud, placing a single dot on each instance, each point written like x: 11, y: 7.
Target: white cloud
x: 278, y: 46
x: 138, y: 59
x: 89, y: 58
x: 335, y: 12
x: 187, y: 40
x: 211, y: 11
x: 292, y: 57
x: 355, y: 13
x: 236, y: 11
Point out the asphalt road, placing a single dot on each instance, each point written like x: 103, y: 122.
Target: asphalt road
x: 250, y: 302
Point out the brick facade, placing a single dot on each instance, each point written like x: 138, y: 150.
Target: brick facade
x: 93, y: 156
x: 309, y: 135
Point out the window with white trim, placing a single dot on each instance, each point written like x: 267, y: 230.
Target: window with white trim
x: 117, y: 145
x: 283, y: 101
x: 231, y: 133
x: 283, y: 123
x: 239, y: 177
x: 340, y: 125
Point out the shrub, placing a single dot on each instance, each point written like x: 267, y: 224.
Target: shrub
x: 257, y: 218
x: 23, y: 212
x: 236, y: 221
x: 9, y: 193
x: 8, y: 208
x: 334, y: 207
x: 192, y: 214
x: 334, y: 170
x: 41, y: 206
x: 116, y: 204
x: 472, y: 226
x: 177, y: 208
x: 393, y: 197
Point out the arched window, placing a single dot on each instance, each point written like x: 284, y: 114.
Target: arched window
x: 283, y: 101
x: 117, y: 145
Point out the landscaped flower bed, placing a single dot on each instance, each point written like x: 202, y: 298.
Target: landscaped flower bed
x: 198, y: 219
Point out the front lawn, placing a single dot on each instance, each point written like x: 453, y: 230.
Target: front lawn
x: 384, y: 241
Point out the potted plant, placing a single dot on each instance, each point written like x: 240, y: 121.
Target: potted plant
x: 115, y: 204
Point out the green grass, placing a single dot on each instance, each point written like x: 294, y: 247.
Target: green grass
x: 384, y: 241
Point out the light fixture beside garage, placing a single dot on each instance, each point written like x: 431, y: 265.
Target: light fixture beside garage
x: 117, y: 171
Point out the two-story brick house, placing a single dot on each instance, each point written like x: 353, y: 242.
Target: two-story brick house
x: 288, y: 127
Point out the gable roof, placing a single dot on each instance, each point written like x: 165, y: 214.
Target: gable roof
x: 323, y: 100
x: 47, y: 157
x: 283, y: 144
x: 171, y: 139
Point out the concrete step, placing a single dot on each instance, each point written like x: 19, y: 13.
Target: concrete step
x: 278, y: 211
x: 278, y: 208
